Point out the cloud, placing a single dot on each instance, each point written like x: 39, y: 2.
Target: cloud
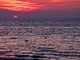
x: 18, y: 5
x: 38, y: 1
x: 63, y: 4
x: 31, y: 5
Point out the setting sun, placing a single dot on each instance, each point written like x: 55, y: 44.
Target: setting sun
x: 15, y: 16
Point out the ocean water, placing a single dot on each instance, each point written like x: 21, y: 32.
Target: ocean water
x: 40, y: 39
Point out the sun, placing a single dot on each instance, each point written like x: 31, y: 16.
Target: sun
x: 15, y: 16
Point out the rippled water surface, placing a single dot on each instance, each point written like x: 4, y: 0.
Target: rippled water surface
x: 39, y: 40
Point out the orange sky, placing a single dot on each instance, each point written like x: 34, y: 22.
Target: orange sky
x: 31, y: 5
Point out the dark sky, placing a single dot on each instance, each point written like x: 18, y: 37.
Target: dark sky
x: 40, y: 8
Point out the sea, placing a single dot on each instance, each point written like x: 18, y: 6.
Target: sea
x: 40, y: 39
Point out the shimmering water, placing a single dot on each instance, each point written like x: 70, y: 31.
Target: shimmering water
x: 39, y: 39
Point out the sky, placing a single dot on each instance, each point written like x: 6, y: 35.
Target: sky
x: 39, y: 8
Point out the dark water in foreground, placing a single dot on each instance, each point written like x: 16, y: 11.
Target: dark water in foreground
x: 40, y: 39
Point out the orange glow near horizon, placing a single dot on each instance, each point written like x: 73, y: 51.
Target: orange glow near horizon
x: 31, y: 5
